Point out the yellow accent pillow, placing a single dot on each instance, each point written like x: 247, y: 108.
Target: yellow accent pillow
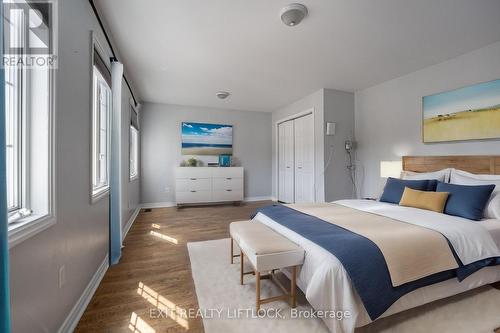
x: 434, y: 201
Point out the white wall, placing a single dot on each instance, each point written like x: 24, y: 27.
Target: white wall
x: 389, y: 115
x: 327, y: 105
x: 79, y: 239
x: 161, y: 147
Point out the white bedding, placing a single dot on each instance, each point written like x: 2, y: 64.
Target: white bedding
x: 327, y: 286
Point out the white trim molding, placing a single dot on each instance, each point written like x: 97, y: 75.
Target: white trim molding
x: 130, y: 221
x: 158, y: 204
x: 29, y: 227
x: 168, y: 204
x: 259, y: 198
x: 77, y: 311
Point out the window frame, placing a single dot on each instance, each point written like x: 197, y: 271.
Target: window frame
x: 32, y: 222
x: 96, y: 194
x: 19, y: 130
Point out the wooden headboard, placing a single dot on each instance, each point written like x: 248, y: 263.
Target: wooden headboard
x: 479, y: 164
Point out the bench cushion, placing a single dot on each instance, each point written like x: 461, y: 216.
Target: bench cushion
x: 265, y: 248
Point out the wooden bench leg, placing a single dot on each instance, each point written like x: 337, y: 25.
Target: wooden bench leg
x: 293, y: 287
x: 232, y: 250
x: 257, y: 290
x: 241, y: 267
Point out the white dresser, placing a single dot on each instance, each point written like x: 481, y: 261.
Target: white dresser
x: 194, y: 185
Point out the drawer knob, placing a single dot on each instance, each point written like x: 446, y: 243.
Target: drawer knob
x: 192, y: 178
x: 193, y: 191
x: 229, y: 178
x: 229, y: 190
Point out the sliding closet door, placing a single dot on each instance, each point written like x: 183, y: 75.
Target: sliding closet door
x: 286, y: 162
x: 304, y: 159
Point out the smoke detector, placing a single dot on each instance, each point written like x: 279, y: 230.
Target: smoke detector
x: 222, y: 94
x: 293, y: 14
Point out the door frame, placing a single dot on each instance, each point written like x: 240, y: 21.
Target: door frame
x: 276, y: 142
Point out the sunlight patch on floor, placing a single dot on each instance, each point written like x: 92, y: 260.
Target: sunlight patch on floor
x: 164, y: 237
x: 138, y: 325
x: 166, y: 307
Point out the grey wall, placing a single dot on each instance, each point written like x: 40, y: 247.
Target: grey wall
x: 328, y: 105
x: 79, y: 239
x: 389, y: 115
x: 339, y: 108
x: 131, y: 188
x: 161, y: 147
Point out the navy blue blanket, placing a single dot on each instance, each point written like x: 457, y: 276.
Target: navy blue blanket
x: 362, y: 259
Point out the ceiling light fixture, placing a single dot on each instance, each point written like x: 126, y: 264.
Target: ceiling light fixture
x: 222, y: 94
x: 293, y: 14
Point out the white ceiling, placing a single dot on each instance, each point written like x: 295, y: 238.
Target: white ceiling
x: 184, y: 51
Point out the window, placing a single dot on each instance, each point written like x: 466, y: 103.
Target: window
x: 134, y: 142
x: 101, y: 132
x: 29, y: 139
x: 134, y: 153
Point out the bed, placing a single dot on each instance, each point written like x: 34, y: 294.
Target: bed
x: 327, y: 284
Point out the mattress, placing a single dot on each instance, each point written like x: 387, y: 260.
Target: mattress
x: 327, y: 286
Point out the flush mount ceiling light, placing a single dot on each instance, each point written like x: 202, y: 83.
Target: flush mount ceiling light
x: 222, y: 94
x: 293, y: 14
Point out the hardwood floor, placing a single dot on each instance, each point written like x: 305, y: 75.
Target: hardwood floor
x: 154, y: 271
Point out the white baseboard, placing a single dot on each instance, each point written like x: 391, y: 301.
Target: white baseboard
x: 261, y: 198
x: 158, y: 204
x: 173, y: 204
x: 76, y: 313
x: 130, y: 222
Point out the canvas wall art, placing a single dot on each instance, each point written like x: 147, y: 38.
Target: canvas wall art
x: 470, y: 113
x: 206, y: 139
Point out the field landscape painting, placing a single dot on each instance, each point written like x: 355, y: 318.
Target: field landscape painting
x: 470, y: 113
x: 206, y: 139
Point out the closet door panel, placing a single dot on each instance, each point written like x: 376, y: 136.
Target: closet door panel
x: 286, y: 162
x: 304, y: 159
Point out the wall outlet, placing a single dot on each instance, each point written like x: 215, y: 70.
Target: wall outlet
x: 62, y: 276
x: 166, y: 189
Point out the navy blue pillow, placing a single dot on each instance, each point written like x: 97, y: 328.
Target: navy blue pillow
x: 394, y: 188
x: 466, y: 201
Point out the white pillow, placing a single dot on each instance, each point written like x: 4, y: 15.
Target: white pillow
x: 460, y: 177
x: 441, y: 175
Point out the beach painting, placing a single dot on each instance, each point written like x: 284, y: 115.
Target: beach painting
x: 470, y: 113
x: 206, y: 139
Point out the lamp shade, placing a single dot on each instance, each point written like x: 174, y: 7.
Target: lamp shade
x: 390, y: 169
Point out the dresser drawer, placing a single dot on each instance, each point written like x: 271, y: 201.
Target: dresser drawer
x: 193, y: 197
x: 227, y: 183
x: 192, y: 172
x: 190, y: 184
x: 233, y: 172
x: 227, y: 195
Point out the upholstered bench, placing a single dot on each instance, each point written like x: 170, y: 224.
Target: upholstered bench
x: 267, y: 251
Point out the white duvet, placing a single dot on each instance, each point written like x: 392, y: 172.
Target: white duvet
x: 326, y: 283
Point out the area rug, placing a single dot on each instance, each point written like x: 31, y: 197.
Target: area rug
x: 226, y: 306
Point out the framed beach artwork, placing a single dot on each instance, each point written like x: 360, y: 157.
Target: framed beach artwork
x: 206, y: 139
x: 469, y: 113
